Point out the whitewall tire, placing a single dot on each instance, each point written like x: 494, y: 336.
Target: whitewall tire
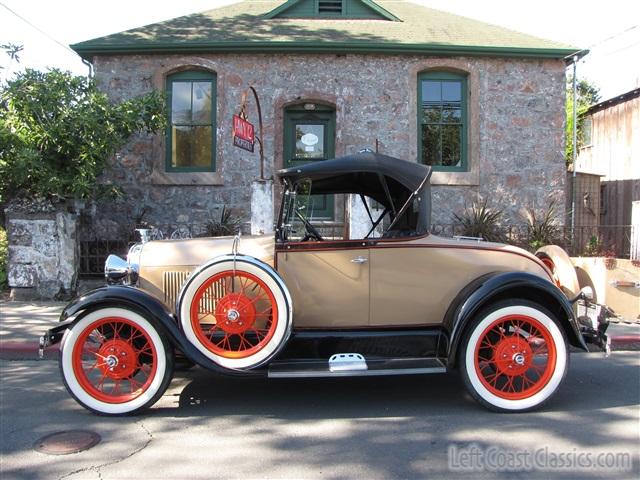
x: 114, y: 362
x: 238, y: 314
x: 514, y: 356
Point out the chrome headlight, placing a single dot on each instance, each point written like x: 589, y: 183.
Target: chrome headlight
x: 116, y: 270
x: 133, y: 259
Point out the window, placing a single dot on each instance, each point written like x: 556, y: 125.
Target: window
x: 442, y: 121
x: 191, y: 133
x: 587, y: 128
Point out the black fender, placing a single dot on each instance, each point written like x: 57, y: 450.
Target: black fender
x: 497, y: 286
x: 152, y: 309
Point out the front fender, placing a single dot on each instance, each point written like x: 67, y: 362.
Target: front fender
x: 503, y: 285
x: 151, y: 308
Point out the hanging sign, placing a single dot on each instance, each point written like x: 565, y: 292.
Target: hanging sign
x: 243, y: 134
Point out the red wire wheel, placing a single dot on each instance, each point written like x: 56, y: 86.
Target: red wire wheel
x: 114, y: 360
x: 234, y: 314
x: 515, y: 357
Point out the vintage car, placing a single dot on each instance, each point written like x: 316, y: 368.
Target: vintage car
x: 310, y: 303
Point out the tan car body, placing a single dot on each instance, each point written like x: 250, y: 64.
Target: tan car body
x: 377, y: 283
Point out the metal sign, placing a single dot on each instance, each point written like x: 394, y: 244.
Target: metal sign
x: 243, y: 133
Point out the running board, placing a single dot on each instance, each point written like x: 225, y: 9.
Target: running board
x: 348, y: 366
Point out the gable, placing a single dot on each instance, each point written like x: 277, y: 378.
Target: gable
x: 334, y: 9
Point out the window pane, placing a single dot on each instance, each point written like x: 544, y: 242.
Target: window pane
x: 451, y: 91
x: 181, y: 102
x: 451, y: 140
x: 432, y: 115
x: 201, y: 102
x: 181, y: 146
x: 451, y: 115
x: 309, y: 141
x: 431, y: 92
x: 431, y: 144
x: 201, y: 147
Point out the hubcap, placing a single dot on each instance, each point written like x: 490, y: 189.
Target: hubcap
x: 512, y: 355
x: 237, y: 311
x: 120, y: 359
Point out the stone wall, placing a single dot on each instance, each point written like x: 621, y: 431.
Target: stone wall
x: 43, y: 253
x: 515, y: 144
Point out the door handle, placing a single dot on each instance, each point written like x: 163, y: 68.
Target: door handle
x: 359, y: 260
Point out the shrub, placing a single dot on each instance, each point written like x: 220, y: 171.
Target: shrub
x: 481, y: 221
x: 542, y: 230
x: 57, y: 132
x: 227, y: 224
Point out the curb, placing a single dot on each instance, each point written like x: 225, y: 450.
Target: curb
x: 29, y: 350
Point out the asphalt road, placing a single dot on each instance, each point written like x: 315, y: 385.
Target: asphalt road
x: 401, y: 427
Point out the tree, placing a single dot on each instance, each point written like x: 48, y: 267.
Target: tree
x: 587, y: 95
x: 57, y: 132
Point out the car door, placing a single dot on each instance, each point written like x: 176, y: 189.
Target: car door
x: 410, y: 286
x: 329, y: 283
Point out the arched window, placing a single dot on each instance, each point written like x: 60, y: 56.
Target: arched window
x: 191, y: 130
x: 442, y: 121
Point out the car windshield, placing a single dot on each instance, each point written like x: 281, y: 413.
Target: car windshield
x: 347, y: 216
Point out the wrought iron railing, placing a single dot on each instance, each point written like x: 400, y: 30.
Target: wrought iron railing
x: 604, y: 240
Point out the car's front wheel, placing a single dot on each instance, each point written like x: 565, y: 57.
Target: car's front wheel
x: 514, y: 356
x: 115, y: 362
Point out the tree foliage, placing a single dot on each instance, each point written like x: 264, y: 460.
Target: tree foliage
x: 586, y: 96
x: 57, y: 132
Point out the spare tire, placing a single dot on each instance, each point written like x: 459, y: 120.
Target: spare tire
x: 561, y: 267
x: 236, y: 312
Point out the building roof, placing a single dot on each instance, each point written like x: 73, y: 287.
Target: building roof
x: 611, y: 102
x: 246, y: 27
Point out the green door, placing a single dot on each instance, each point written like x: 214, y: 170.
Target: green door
x: 309, y: 136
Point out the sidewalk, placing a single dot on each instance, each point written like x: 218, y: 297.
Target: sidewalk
x: 22, y: 323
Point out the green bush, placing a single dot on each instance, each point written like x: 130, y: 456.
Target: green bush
x: 57, y: 132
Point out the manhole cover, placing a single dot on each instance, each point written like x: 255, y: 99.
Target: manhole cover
x: 63, y: 443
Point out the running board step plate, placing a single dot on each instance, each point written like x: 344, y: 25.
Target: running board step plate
x: 354, y: 365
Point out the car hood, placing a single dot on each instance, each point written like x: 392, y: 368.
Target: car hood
x: 196, y: 251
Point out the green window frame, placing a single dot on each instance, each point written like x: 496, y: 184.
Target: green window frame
x: 442, y: 121
x: 191, y: 126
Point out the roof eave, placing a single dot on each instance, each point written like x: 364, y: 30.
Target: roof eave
x: 89, y: 51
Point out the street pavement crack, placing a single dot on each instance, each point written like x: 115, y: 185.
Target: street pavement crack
x: 97, y: 468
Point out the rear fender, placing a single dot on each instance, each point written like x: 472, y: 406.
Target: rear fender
x: 498, y: 286
x: 130, y: 297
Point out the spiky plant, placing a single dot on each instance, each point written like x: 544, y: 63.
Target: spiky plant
x: 227, y: 224
x: 542, y: 229
x: 481, y: 221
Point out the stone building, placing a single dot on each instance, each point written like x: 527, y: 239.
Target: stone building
x: 482, y: 104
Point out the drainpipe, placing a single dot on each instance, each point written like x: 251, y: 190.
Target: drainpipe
x: 89, y: 66
x: 574, y: 150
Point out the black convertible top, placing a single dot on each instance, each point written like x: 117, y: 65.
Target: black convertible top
x: 390, y: 181
x: 408, y: 174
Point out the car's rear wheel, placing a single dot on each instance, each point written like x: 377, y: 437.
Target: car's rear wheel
x: 235, y: 313
x: 114, y: 362
x: 514, y: 356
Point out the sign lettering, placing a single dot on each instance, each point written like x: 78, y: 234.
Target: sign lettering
x: 243, y: 133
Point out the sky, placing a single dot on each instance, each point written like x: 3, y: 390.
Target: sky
x: 610, y: 30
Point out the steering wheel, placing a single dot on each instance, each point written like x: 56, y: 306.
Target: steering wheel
x: 312, y: 232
